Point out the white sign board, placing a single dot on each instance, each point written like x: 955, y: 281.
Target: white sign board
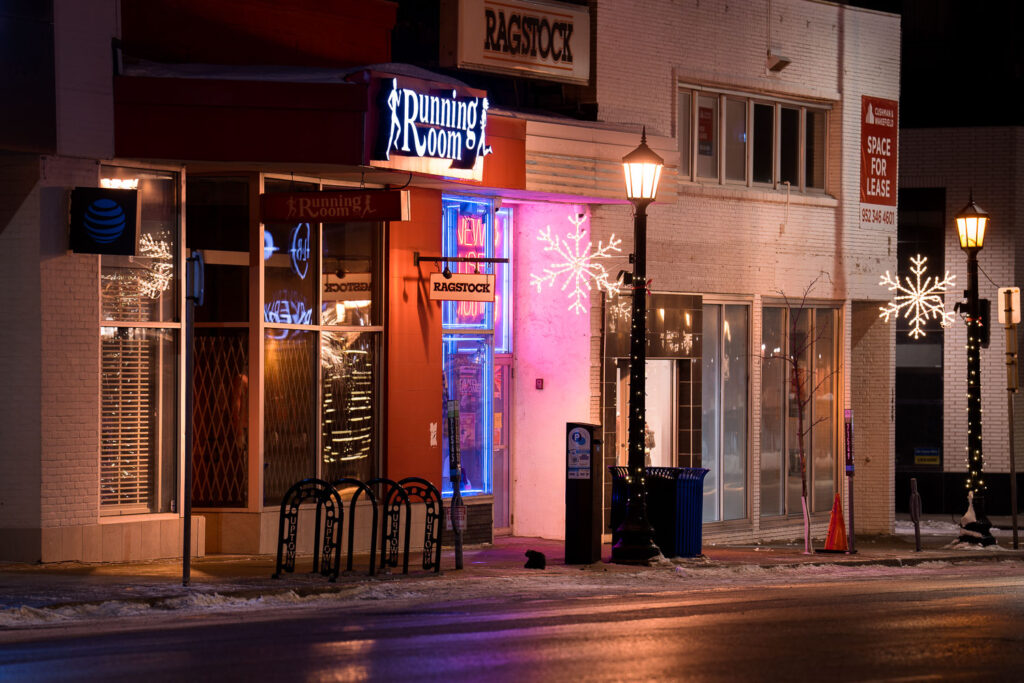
x: 1014, y: 305
x: 578, y: 454
x: 462, y: 287
x: 547, y: 40
x: 879, y: 151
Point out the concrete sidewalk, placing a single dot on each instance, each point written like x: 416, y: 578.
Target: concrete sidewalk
x: 64, y: 584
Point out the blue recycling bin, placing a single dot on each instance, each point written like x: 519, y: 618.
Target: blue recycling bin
x: 675, y: 507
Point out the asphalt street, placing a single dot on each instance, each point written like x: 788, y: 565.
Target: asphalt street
x: 941, y: 620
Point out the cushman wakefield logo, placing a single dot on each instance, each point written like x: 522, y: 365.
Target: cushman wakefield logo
x: 439, y: 126
x: 462, y: 287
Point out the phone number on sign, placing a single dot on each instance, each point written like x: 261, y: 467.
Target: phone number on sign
x: 878, y: 216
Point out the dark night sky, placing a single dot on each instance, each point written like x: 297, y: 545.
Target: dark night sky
x: 962, y: 61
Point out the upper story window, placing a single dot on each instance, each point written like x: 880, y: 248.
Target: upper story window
x: 734, y: 139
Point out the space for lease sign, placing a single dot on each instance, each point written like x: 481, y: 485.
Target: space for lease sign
x: 878, y: 159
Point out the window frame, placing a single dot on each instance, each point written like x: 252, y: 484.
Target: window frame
x: 722, y: 303
x: 836, y: 308
x: 687, y: 141
x: 319, y: 328
x: 175, y: 326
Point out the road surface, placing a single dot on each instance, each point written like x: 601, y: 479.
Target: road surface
x: 951, y: 622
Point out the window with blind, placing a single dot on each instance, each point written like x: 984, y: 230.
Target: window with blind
x: 139, y: 356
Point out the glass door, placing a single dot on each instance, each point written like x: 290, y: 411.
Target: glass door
x: 502, y: 430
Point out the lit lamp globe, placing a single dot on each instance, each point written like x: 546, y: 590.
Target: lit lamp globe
x: 970, y: 226
x: 643, y: 171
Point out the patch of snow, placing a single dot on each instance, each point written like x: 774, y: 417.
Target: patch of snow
x: 934, y: 527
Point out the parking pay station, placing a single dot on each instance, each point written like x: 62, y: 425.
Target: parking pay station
x: 583, y: 479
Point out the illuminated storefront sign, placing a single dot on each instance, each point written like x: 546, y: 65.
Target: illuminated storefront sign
x: 438, y: 126
x: 335, y: 206
x: 103, y: 221
x: 546, y: 40
x: 462, y: 287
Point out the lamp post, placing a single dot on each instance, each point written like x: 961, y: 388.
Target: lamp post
x: 642, y: 168
x: 971, y: 224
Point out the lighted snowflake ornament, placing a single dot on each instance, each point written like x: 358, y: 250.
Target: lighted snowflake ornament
x: 157, y: 276
x: 919, y: 301
x: 577, y: 264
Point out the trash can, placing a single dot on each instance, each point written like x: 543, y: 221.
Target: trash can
x: 620, y: 491
x: 675, y: 507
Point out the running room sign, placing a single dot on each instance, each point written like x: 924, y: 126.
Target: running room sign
x: 878, y: 159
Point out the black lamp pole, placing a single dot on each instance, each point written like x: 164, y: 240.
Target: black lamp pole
x: 635, y: 543
x: 971, y: 224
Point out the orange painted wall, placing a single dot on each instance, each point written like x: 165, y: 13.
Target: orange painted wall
x: 506, y: 167
x: 414, y: 345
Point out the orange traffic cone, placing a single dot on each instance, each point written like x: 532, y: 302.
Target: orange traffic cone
x: 835, y: 541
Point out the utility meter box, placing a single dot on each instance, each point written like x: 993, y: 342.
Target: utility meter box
x: 583, y: 481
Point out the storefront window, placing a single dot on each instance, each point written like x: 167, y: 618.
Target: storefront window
x: 803, y: 338
x: 348, y: 369
x: 218, y: 218
x: 289, y: 264
x: 350, y: 270
x: 139, y: 363
x: 724, y: 411
x: 290, y: 416
x: 323, y: 288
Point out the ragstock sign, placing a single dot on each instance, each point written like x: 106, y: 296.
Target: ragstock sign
x: 462, y: 287
x: 879, y: 125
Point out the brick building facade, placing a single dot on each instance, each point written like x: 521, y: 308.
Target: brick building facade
x: 756, y: 109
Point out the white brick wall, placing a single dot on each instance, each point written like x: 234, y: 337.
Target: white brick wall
x: 714, y: 240
x: 70, y: 371
x: 991, y: 161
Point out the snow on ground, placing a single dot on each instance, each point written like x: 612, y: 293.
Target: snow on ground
x: 563, y: 583
x: 934, y: 527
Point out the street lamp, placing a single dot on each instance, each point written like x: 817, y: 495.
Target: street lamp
x: 635, y: 543
x: 971, y: 223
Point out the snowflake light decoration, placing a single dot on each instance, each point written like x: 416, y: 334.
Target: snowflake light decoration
x: 156, y: 278
x: 918, y: 301
x: 577, y: 263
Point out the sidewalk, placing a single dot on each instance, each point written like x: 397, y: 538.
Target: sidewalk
x: 243, y: 576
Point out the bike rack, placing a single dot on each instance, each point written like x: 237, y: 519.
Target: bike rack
x: 360, y: 489
x: 393, y: 498
x: 329, y: 549
x: 432, y: 523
